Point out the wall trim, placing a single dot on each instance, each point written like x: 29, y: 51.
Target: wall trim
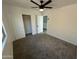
x: 8, y: 57
x: 63, y: 39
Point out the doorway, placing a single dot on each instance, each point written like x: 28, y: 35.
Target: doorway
x: 27, y: 24
x: 41, y: 24
x: 45, y: 23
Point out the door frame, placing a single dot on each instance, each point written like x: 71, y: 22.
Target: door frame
x: 37, y: 25
x: 30, y: 21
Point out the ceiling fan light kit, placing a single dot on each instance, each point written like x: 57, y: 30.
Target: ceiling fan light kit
x: 42, y: 5
x: 41, y: 10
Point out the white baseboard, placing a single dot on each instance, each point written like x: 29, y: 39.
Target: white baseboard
x: 7, y: 57
x: 63, y: 39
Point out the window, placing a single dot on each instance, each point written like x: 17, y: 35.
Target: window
x: 4, y: 36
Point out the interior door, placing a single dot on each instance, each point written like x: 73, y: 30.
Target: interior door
x: 39, y: 24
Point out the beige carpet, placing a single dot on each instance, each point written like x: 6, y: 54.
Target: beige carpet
x: 43, y: 46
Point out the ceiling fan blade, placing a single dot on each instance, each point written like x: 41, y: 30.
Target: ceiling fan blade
x: 47, y: 2
x: 35, y: 2
x: 35, y: 7
x: 48, y: 7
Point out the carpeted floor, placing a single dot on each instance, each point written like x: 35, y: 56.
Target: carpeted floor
x: 43, y: 46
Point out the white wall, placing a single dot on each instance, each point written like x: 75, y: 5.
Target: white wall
x: 15, y: 14
x: 27, y: 24
x: 62, y: 23
x: 17, y: 22
x: 8, y: 48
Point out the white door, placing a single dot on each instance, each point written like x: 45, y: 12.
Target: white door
x: 39, y: 24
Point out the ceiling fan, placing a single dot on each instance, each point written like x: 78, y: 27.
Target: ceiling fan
x: 42, y: 5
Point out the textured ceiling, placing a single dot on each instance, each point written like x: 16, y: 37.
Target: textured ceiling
x: 28, y: 4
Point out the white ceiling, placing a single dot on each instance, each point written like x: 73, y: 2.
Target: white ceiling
x: 28, y: 4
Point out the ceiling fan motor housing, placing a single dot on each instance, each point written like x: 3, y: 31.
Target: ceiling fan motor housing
x: 41, y: 1
x: 42, y: 6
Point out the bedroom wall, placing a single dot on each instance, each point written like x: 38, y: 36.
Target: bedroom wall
x: 15, y: 14
x: 62, y: 23
x: 7, y: 51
